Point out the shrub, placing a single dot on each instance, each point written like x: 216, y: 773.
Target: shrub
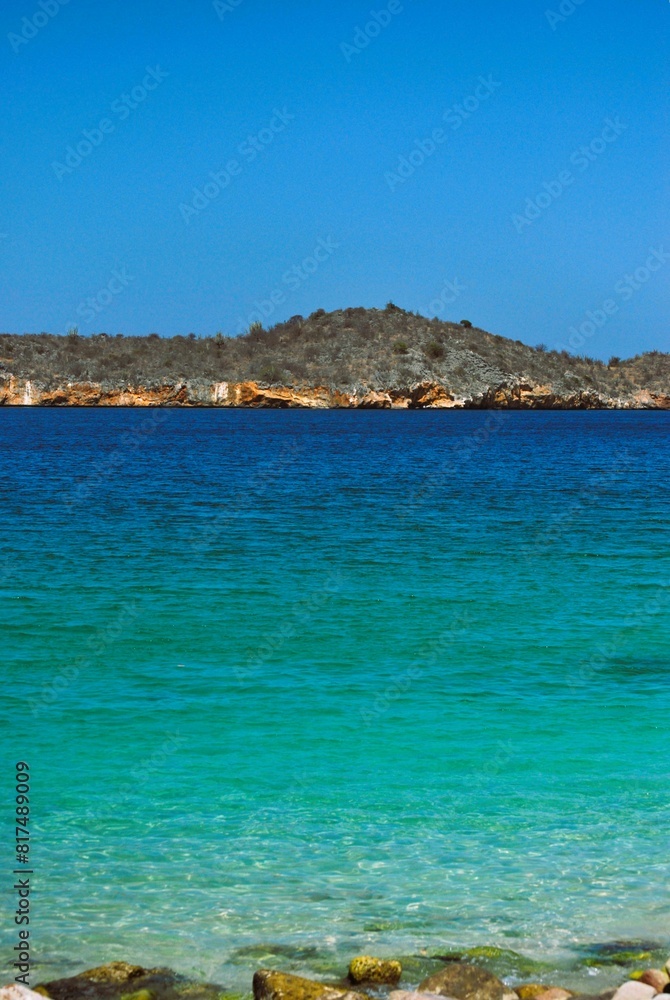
x: 73, y: 332
x: 435, y: 350
x: 400, y: 347
x: 542, y: 348
x: 466, y: 323
x: 271, y: 373
x: 191, y: 336
x: 614, y: 362
x: 255, y: 330
x: 392, y: 307
x: 153, y: 336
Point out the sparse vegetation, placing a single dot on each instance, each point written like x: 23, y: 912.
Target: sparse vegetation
x: 466, y: 323
x: 434, y: 351
x: 382, y: 349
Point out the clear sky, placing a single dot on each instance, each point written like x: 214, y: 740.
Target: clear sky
x: 501, y: 162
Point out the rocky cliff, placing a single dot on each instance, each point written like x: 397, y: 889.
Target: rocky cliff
x: 425, y: 395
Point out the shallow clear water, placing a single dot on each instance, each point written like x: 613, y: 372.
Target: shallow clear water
x: 349, y: 682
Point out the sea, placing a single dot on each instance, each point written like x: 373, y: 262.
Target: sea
x: 298, y: 685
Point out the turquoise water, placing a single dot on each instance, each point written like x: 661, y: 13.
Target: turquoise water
x: 336, y: 681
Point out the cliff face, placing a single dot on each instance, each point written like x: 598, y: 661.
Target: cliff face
x: 425, y: 395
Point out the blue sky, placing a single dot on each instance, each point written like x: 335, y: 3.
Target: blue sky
x: 181, y: 165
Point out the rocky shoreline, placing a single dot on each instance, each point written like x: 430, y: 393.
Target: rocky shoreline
x: 451, y: 976
x: 426, y: 395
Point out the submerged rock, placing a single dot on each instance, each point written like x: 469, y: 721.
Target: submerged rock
x: 271, y: 985
x: 365, y: 968
x: 624, y: 958
x: 501, y: 962
x: 464, y: 982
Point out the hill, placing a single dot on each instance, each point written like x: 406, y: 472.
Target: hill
x: 350, y: 357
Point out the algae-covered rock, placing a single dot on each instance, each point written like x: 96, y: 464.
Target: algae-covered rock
x: 623, y: 958
x: 529, y: 991
x: 366, y: 969
x: 641, y: 952
x: 271, y: 985
x: 490, y: 951
x: 121, y: 981
x: 113, y: 972
x: 464, y: 982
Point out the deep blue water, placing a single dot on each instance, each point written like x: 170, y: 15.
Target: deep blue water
x: 350, y: 681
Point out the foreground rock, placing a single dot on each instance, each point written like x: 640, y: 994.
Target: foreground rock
x: 271, y: 985
x: 15, y: 991
x: 121, y: 981
x: 413, y: 995
x: 634, y: 990
x: 554, y: 993
x: 366, y: 969
x: 464, y: 982
x: 658, y: 978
